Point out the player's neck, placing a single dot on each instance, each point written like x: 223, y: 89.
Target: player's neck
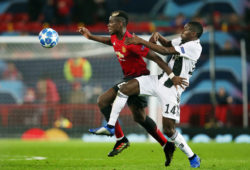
x: 184, y: 41
x: 120, y: 35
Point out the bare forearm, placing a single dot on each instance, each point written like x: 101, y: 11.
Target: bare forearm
x: 164, y: 41
x: 159, y: 49
x: 163, y: 65
x: 101, y: 39
x: 159, y: 61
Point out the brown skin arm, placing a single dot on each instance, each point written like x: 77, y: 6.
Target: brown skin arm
x: 164, y: 66
x: 86, y: 33
x: 157, y: 48
x: 156, y: 36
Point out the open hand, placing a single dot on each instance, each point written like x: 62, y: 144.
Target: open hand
x: 180, y: 81
x: 84, y: 31
x: 132, y: 40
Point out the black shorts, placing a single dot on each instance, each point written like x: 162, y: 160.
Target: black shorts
x: 139, y: 101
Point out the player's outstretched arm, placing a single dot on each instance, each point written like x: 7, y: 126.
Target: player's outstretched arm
x: 156, y: 36
x: 157, y: 48
x: 86, y: 33
x: 164, y: 66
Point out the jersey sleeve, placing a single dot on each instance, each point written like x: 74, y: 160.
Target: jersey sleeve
x: 189, y: 50
x: 141, y: 50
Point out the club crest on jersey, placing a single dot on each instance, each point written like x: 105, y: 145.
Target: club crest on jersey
x: 142, y: 48
x: 120, y: 56
x: 124, y: 49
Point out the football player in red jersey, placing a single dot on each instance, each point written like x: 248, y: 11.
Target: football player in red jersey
x: 133, y: 65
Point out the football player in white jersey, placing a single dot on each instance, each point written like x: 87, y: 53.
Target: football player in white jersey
x: 185, y: 52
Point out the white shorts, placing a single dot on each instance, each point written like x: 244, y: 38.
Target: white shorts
x: 169, y: 97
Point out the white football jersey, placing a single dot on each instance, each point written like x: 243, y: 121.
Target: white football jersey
x: 190, y: 52
x: 183, y: 65
x: 162, y: 86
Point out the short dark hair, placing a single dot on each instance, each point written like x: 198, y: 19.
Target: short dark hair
x: 121, y: 14
x: 196, y: 27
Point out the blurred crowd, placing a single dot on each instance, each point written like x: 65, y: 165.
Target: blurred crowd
x: 45, y: 90
x: 92, y: 12
x: 68, y: 11
x: 67, y: 15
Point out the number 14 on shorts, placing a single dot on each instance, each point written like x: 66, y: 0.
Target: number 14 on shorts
x: 173, y: 110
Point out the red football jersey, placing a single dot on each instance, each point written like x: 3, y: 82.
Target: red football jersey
x: 130, y: 56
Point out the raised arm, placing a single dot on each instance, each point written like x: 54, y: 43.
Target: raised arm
x: 156, y: 36
x: 164, y: 66
x: 86, y: 33
x: 157, y: 48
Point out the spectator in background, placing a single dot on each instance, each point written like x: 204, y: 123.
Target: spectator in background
x: 101, y: 13
x: 29, y: 96
x: 34, y: 9
x: 179, y: 22
x: 78, y: 11
x: 96, y: 92
x: 229, y: 49
x: 77, y: 95
x: 234, y: 22
x: 235, y: 27
x: 11, y: 72
x: 217, y: 20
x: 41, y: 91
x: 84, y: 11
x: 111, y: 5
x: 47, y: 91
x: 200, y: 19
x: 49, y: 11
x: 64, y: 8
x: 221, y: 110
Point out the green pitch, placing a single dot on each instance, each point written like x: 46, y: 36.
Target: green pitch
x: 75, y: 154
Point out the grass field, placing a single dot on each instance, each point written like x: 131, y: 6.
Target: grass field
x: 75, y: 154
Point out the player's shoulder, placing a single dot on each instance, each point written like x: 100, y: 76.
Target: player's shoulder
x: 176, y: 41
x: 128, y: 34
x: 193, y: 44
x: 112, y: 37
